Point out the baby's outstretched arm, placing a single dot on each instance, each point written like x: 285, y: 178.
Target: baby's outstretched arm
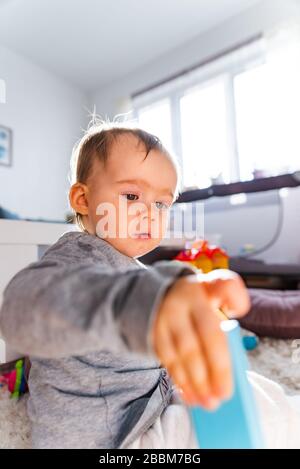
x: 51, y: 309
x: 188, y: 340
x: 54, y: 308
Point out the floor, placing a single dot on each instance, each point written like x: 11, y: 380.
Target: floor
x: 278, y: 360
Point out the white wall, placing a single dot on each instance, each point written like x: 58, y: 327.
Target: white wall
x: 46, y: 115
x: 112, y: 99
x: 41, y: 105
x: 235, y: 227
x: 257, y: 225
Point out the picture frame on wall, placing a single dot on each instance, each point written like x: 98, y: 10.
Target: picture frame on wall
x: 5, y: 146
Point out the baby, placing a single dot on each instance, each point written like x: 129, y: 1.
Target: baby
x: 113, y: 344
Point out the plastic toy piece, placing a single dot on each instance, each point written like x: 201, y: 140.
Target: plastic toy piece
x: 203, y: 261
x: 235, y: 424
x: 184, y: 256
x: 204, y: 257
x: 219, y: 258
x: 13, y: 375
x: 250, y: 341
x: 19, y: 372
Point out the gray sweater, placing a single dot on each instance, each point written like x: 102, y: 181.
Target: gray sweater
x: 83, y: 314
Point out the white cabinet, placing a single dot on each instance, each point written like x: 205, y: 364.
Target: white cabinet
x: 21, y: 243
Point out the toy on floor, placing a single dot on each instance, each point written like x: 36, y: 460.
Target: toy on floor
x: 250, y: 340
x: 235, y: 424
x: 13, y: 376
x: 204, y: 256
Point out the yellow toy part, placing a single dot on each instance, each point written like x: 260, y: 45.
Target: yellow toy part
x: 203, y: 262
x: 219, y: 259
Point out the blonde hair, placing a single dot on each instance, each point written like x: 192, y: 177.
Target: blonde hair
x: 96, y: 145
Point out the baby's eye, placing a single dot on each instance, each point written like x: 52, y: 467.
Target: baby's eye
x: 131, y: 196
x: 161, y: 205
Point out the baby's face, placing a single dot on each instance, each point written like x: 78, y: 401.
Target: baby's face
x: 130, y: 196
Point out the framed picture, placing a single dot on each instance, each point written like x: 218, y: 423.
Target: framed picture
x: 5, y: 146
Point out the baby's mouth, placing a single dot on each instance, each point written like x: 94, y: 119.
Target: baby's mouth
x: 142, y: 236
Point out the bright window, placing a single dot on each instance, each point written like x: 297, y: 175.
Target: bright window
x: 267, y: 102
x: 205, y: 151
x: 236, y: 118
x: 156, y: 118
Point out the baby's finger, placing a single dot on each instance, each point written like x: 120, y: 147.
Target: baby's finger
x: 164, y: 346
x: 226, y: 290
x: 216, y: 351
x: 168, y: 356
x: 179, y: 377
x: 189, y: 351
x: 196, y: 367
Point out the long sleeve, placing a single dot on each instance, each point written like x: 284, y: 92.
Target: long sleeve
x: 51, y: 309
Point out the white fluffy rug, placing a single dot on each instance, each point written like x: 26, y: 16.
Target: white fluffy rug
x: 273, y: 359
x: 278, y: 360
x: 14, y: 423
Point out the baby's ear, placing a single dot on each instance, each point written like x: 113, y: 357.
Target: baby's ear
x: 78, y: 198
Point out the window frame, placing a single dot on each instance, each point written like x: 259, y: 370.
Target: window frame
x: 226, y: 67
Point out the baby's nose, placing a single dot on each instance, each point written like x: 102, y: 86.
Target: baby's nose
x: 147, y: 213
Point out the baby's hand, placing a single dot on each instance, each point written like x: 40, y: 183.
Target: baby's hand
x: 187, y: 337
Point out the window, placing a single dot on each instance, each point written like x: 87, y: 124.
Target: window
x: 203, y: 116
x: 232, y: 119
x: 156, y: 118
x: 267, y: 102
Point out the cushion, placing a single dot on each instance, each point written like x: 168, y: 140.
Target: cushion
x: 274, y: 313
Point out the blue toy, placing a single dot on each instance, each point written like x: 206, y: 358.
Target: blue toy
x: 235, y: 424
x: 250, y: 341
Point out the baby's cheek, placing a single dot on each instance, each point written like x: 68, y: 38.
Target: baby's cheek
x: 162, y: 222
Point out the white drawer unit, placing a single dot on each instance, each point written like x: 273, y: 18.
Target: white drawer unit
x: 22, y: 242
